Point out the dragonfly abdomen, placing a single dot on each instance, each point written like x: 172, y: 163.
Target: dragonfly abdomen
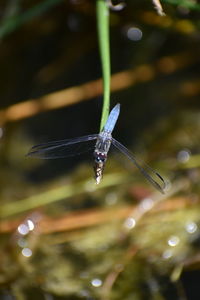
x: 99, y: 163
x: 100, y: 155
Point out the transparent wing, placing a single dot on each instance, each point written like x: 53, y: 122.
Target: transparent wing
x: 63, y: 148
x: 152, y: 176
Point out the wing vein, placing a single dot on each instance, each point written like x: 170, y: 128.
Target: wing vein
x: 62, y: 148
x: 146, y: 170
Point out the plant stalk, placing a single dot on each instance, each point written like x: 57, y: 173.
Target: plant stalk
x: 102, y: 11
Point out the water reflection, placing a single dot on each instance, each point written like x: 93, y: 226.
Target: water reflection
x: 27, y: 252
x: 173, y: 241
x: 183, y: 156
x: 134, y: 34
x: 25, y: 227
x: 22, y: 242
x: 167, y: 254
x: 146, y: 204
x: 30, y: 224
x: 130, y: 223
x: 23, y: 237
x: 191, y: 227
x: 96, y: 282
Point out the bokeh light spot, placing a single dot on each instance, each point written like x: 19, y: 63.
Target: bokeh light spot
x: 27, y: 252
x: 183, y: 156
x: 191, y: 227
x: 173, y: 241
x: 96, y: 282
x: 130, y: 223
x: 23, y: 229
x: 134, y: 34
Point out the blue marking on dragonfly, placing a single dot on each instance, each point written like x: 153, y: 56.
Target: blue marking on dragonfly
x: 74, y: 146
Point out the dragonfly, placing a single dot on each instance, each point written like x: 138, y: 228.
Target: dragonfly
x: 101, y: 144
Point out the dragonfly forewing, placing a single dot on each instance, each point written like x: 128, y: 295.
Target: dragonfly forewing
x: 64, y: 148
x: 152, y: 176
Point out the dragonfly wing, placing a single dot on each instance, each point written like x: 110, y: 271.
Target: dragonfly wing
x: 63, y: 148
x: 152, y: 176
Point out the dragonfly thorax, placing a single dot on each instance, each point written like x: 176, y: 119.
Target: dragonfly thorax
x: 103, y: 142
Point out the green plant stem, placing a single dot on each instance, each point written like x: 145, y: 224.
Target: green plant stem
x: 102, y: 11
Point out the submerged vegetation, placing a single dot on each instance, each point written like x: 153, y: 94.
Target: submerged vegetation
x: 62, y: 236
